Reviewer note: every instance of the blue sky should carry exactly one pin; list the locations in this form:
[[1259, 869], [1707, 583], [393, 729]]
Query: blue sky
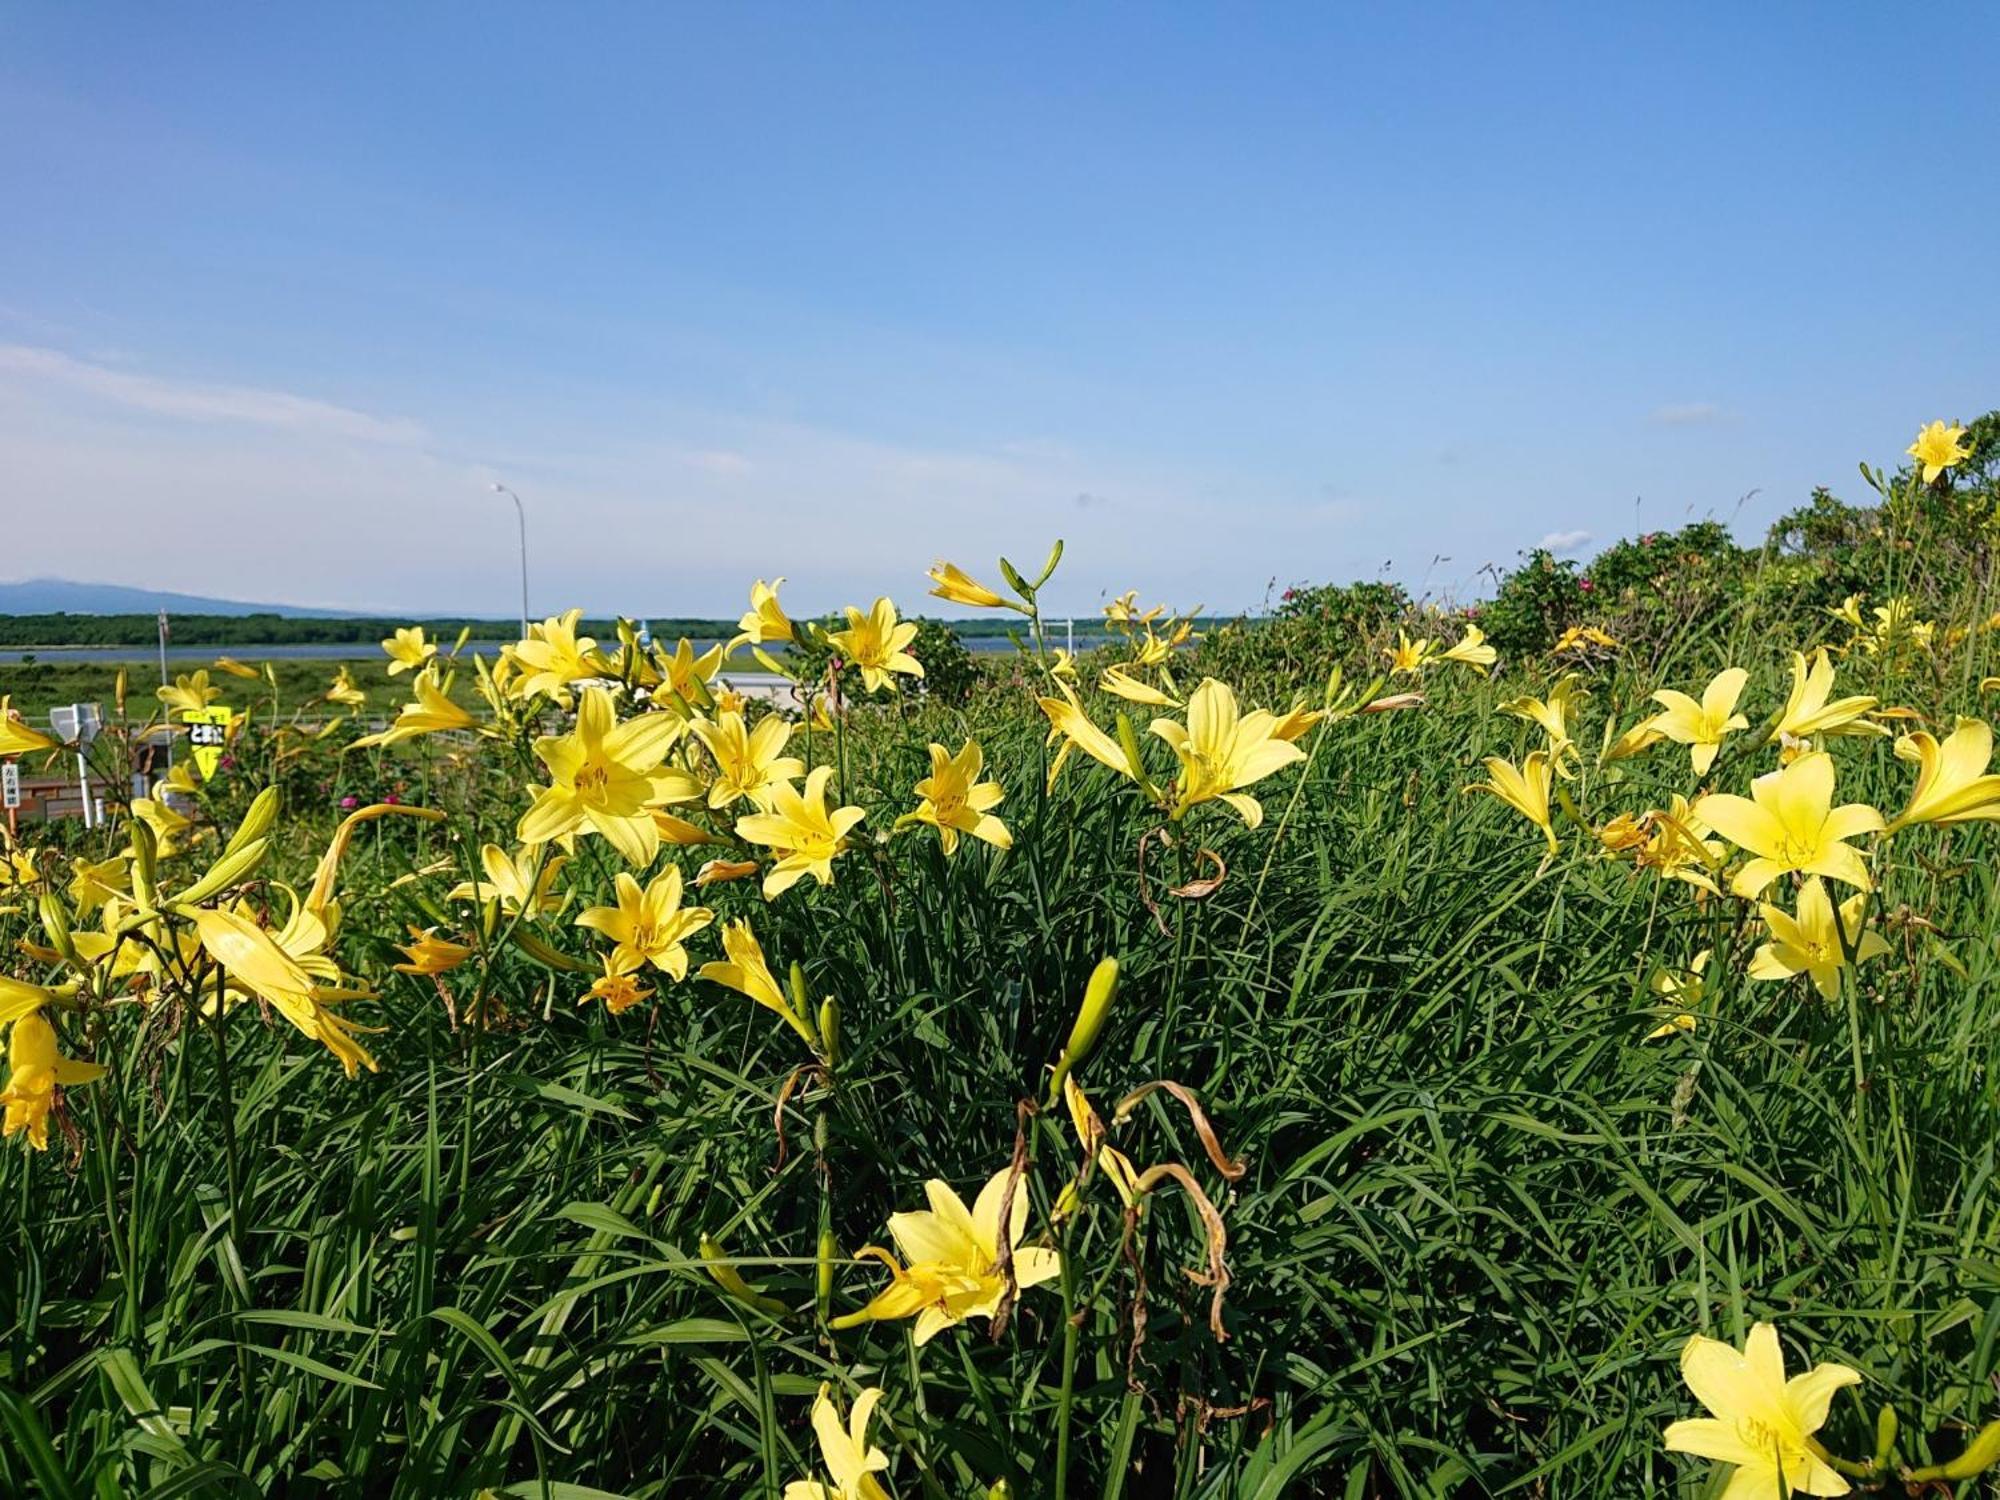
[[1221, 295]]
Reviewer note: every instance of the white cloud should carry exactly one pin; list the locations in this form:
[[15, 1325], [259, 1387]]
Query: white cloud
[[1686, 414], [1560, 542], [246, 405]]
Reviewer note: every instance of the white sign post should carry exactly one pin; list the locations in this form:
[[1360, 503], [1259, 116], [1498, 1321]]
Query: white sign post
[[10, 785], [78, 723]]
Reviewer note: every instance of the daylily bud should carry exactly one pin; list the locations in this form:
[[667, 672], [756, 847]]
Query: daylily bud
[[829, 1028], [55, 922], [1015, 581], [1049, 567], [145, 864], [829, 1251], [1979, 1456], [1090, 1017], [801, 1003], [263, 812], [717, 1263], [1885, 1435], [118, 692]]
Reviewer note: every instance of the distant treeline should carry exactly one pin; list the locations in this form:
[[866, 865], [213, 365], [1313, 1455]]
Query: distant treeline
[[64, 629]]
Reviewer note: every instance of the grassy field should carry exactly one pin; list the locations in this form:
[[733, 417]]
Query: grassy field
[[1467, 1212]]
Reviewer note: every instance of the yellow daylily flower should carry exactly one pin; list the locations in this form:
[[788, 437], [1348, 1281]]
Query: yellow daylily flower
[[1075, 729], [1123, 612], [20, 868], [951, 582], [1582, 640], [616, 987], [766, 620], [1938, 448], [430, 954], [1637, 740], [189, 692], [747, 972], [878, 644], [954, 800], [261, 967], [170, 829], [1703, 726], [845, 1452], [953, 1259], [1684, 990], [93, 883], [1555, 715], [1064, 665], [1807, 714], [179, 778], [1407, 656], [648, 924], [1789, 822], [523, 882], [432, 712], [236, 668], [407, 649], [1760, 1421], [805, 833], [749, 763], [685, 673], [1471, 649], [344, 691], [1810, 942], [1671, 841], [1293, 724], [1525, 789], [35, 1069], [1222, 751], [16, 738], [1120, 683], [605, 779], [551, 656], [1952, 784]]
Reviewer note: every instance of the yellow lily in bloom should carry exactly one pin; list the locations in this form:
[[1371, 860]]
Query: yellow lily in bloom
[[1222, 750], [16, 738], [686, 674], [1120, 683], [236, 668], [748, 973], [179, 778], [1810, 942], [1471, 650], [1554, 714], [805, 834], [1583, 639], [950, 582], [749, 763], [1123, 612], [343, 691], [1637, 740], [953, 1255], [1407, 656], [1761, 1422], [433, 712], [1952, 784], [189, 692], [877, 644], [605, 778], [35, 1069], [1671, 841], [1156, 650], [430, 954], [648, 925], [550, 657], [954, 800], [514, 881], [169, 827], [1807, 713], [408, 650], [616, 987], [93, 884], [1075, 729], [1064, 665], [1938, 448], [1684, 990], [261, 967], [845, 1452], [19, 868], [766, 620], [1703, 726], [1526, 790], [1789, 822]]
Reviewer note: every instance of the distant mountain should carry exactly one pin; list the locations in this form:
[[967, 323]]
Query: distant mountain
[[45, 596]]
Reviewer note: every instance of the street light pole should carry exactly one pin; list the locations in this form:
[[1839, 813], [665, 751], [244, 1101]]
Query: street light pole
[[521, 515]]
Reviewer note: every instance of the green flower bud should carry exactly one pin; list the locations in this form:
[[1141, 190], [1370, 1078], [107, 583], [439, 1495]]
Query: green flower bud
[[1090, 1017]]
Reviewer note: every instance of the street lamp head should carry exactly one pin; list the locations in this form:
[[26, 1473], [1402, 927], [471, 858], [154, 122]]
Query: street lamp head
[[498, 488]]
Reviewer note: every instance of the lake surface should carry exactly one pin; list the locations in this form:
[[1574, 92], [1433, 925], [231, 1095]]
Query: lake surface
[[366, 651]]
